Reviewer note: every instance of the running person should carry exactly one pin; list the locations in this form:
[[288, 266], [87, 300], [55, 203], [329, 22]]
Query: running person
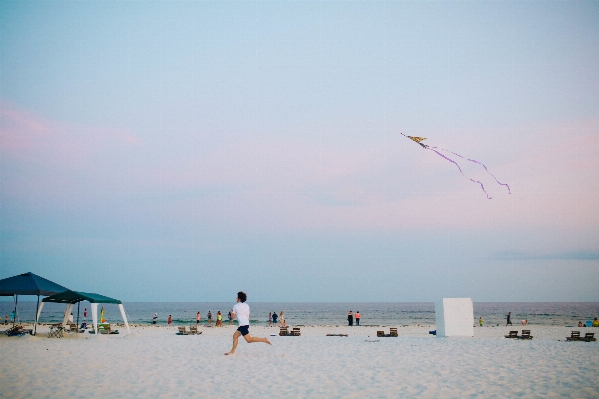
[[241, 312]]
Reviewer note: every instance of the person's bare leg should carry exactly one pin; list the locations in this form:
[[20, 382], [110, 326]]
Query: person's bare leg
[[251, 339], [235, 341]]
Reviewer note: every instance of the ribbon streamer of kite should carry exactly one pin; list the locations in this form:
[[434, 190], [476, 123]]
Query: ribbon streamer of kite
[[434, 149]]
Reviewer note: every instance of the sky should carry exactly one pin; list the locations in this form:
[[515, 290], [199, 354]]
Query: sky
[[183, 151]]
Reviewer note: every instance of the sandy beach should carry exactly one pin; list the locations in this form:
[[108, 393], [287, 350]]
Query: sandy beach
[[155, 362]]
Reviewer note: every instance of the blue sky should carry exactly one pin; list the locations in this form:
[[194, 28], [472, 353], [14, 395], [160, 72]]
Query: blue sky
[[182, 151]]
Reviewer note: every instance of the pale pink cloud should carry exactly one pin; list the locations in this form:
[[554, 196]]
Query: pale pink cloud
[[55, 159], [297, 184], [280, 183], [27, 134]]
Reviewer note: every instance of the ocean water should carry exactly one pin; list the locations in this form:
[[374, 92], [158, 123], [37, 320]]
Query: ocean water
[[321, 313]]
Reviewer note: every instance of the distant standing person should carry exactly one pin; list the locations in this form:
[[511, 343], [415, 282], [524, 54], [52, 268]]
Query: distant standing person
[[241, 311], [230, 316], [595, 322], [169, 321], [509, 319], [155, 318], [480, 321], [269, 319], [6, 320], [358, 317], [219, 319], [274, 317], [350, 318], [198, 318], [209, 317], [282, 319]]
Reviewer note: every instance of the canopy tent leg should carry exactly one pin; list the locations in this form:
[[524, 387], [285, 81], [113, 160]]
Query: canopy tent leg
[[37, 310], [14, 317], [78, 307], [67, 313], [122, 309], [95, 317]]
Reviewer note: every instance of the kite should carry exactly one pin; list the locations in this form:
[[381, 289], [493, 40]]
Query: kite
[[437, 149]]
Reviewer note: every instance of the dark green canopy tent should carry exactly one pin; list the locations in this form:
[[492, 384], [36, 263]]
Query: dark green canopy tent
[[74, 297], [28, 284], [71, 297]]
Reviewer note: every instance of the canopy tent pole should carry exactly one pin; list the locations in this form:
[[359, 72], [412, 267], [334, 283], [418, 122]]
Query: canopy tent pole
[[95, 317], [14, 317], [122, 309], [37, 309], [67, 313], [78, 307]]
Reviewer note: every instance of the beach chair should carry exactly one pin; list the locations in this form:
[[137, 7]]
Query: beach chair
[[588, 337], [295, 332], [283, 332], [12, 329], [193, 330], [574, 336], [512, 334], [393, 332], [380, 333], [73, 328], [17, 331], [56, 331], [336, 335], [182, 331], [525, 335]]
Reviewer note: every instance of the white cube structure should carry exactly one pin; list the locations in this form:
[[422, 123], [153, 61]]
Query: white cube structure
[[455, 317]]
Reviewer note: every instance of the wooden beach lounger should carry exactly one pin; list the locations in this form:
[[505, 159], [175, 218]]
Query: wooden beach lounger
[[512, 334], [574, 336], [525, 335], [588, 337], [336, 335], [284, 332], [193, 330], [106, 329], [182, 331], [392, 333]]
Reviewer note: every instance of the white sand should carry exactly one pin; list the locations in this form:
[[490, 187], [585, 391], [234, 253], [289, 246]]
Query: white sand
[[154, 362]]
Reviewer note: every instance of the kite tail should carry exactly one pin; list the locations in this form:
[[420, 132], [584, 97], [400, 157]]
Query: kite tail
[[480, 163], [460, 169]]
